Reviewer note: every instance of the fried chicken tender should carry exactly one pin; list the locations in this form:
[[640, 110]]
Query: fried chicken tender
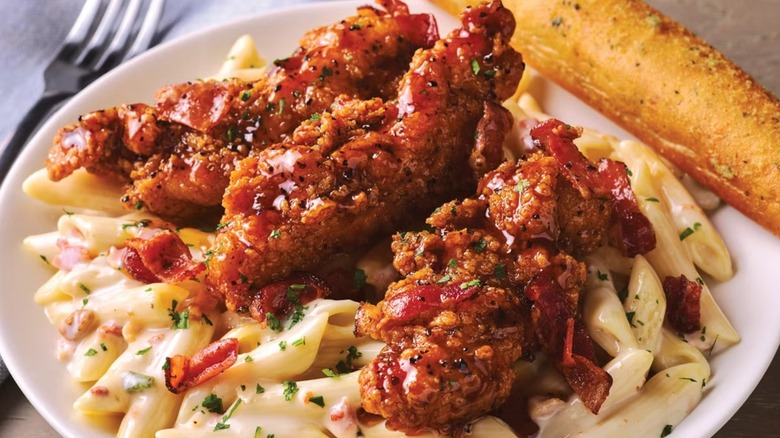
[[175, 157], [491, 282], [368, 166]]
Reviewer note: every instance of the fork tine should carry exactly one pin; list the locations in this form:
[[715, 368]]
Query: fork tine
[[149, 27], [78, 33], [100, 36], [119, 41]]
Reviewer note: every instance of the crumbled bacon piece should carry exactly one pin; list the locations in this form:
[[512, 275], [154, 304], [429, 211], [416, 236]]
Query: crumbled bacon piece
[[412, 303], [280, 298], [183, 372], [70, 255], [564, 339], [683, 303], [609, 179], [162, 257]]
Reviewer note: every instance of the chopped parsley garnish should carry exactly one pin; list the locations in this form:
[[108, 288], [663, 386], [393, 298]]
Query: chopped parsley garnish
[[297, 315], [91, 352], [318, 400], [667, 430], [314, 117], [139, 224], [300, 341], [67, 213], [133, 382], [226, 417], [180, 320], [139, 205], [221, 426], [359, 279], [248, 358], [273, 321], [521, 185], [282, 102], [231, 133], [630, 318], [623, 294], [330, 373], [475, 66], [84, 288], [275, 234], [282, 345], [245, 95], [444, 279], [213, 404], [325, 73], [143, 351], [471, 283], [602, 276], [290, 389], [452, 263], [490, 73], [43, 257], [499, 271], [557, 21], [221, 225], [688, 231], [652, 200], [103, 346], [480, 245], [259, 389]]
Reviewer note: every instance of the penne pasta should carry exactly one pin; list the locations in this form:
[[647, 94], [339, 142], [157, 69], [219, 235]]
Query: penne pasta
[[80, 190]]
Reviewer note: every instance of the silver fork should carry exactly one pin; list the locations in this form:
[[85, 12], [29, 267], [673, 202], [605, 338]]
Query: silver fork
[[105, 34]]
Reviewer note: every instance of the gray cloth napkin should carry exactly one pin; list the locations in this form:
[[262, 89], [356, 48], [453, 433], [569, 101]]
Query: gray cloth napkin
[[31, 33]]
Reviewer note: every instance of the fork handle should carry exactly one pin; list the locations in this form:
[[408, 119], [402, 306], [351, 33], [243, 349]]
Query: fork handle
[[27, 127]]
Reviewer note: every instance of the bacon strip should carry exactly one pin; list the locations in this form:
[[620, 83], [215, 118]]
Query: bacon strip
[[162, 257], [636, 234], [413, 303], [683, 303], [564, 339], [281, 297], [183, 372]]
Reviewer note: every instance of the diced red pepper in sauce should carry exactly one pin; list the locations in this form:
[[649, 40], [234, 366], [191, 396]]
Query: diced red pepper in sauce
[[183, 372], [683, 303]]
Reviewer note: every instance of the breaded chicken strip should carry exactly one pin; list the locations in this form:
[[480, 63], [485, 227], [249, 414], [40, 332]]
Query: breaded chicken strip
[[176, 156], [366, 167]]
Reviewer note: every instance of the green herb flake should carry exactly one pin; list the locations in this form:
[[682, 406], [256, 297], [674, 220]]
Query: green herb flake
[[444, 279], [43, 257], [246, 95], [84, 301], [290, 389], [299, 342], [330, 373], [283, 345], [143, 351], [602, 276], [623, 294], [221, 426], [248, 358], [359, 279], [521, 185], [652, 200], [490, 73], [297, 315], [273, 321], [721, 169], [282, 102], [480, 246], [275, 234], [499, 271], [222, 225], [231, 133], [472, 283], [630, 318], [85, 289], [180, 320], [315, 117], [653, 20], [325, 73], [686, 233], [134, 382], [318, 400], [452, 263], [667, 430], [557, 21], [213, 404], [91, 352], [475, 66], [259, 389]]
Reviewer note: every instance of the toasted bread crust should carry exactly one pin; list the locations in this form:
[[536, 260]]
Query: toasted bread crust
[[666, 86]]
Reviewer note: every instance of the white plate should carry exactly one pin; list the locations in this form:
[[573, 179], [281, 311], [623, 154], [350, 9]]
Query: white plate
[[27, 340]]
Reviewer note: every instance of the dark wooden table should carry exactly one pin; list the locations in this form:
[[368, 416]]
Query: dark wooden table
[[748, 32]]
